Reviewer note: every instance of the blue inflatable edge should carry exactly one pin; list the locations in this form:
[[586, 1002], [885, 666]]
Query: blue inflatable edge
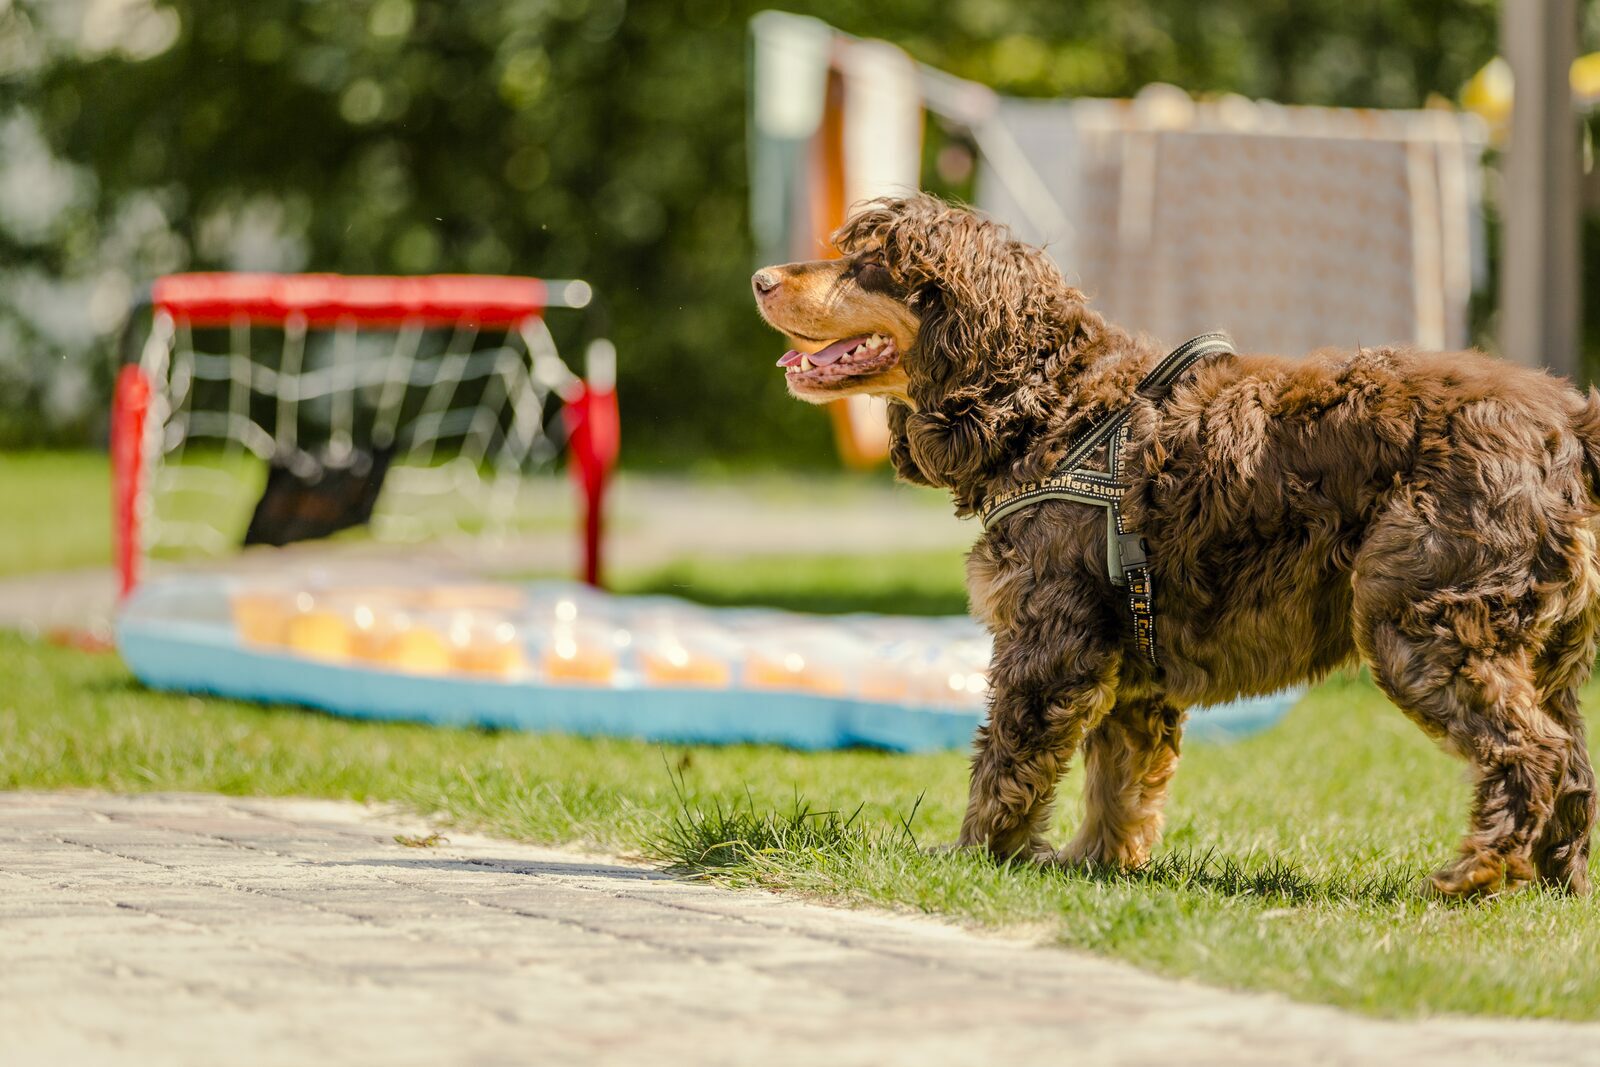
[[199, 657]]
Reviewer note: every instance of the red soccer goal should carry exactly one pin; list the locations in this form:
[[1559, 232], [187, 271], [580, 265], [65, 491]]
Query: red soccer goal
[[414, 406]]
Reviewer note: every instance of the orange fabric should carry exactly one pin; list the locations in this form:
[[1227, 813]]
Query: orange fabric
[[859, 430]]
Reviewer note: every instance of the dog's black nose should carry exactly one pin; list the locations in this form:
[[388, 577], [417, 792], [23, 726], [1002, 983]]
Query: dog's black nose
[[765, 281]]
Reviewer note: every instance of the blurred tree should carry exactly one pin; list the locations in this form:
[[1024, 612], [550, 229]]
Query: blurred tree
[[588, 138]]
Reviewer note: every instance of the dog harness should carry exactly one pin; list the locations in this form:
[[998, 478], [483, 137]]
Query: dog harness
[[1127, 560]]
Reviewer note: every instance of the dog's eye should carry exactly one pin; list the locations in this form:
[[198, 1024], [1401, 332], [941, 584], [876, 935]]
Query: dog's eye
[[871, 272]]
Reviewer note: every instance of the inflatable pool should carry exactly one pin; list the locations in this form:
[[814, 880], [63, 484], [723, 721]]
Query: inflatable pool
[[563, 657]]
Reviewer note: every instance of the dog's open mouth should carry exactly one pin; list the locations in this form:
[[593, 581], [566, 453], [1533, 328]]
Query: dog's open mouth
[[840, 360]]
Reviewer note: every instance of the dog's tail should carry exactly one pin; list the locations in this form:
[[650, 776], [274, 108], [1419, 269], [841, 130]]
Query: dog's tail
[[1586, 424]]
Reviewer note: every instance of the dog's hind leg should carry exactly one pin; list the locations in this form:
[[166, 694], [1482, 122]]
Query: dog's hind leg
[[1129, 760], [1045, 695], [1561, 854], [1448, 640]]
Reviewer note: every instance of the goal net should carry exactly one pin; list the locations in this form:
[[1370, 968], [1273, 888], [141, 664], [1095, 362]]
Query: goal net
[[269, 408]]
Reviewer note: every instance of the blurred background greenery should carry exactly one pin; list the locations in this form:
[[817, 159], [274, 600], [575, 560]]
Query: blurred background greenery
[[599, 139]]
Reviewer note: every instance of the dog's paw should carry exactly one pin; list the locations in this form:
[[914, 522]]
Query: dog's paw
[[1007, 845], [1566, 869], [1099, 852], [1574, 883], [1573, 880], [964, 848], [1479, 874]]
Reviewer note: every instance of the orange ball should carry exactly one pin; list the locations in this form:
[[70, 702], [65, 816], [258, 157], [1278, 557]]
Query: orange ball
[[565, 663], [685, 669], [262, 618]]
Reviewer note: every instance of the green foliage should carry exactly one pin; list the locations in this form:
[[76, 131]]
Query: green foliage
[[589, 138]]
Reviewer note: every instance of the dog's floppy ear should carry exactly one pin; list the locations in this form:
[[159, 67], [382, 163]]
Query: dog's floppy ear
[[955, 431], [905, 465], [941, 447], [954, 442]]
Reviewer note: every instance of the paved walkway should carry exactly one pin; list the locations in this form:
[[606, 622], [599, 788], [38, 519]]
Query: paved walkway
[[206, 930]]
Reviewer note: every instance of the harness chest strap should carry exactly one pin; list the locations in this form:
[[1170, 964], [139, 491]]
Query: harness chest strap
[[1127, 563]]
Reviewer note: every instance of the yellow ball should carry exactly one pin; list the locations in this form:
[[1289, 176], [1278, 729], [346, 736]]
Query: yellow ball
[[416, 651], [319, 635]]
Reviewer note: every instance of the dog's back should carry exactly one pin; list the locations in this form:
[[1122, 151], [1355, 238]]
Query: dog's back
[[1429, 510], [1273, 476]]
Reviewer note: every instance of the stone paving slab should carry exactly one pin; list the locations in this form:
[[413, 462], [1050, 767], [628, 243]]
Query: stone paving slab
[[186, 929]]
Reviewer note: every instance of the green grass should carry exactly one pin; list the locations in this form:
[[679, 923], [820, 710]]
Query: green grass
[[55, 511], [917, 583], [1289, 864], [56, 515]]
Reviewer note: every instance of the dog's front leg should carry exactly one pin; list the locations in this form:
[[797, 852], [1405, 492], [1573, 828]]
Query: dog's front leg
[[1046, 692], [1128, 762]]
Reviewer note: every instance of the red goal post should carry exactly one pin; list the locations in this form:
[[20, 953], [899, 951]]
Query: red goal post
[[489, 330]]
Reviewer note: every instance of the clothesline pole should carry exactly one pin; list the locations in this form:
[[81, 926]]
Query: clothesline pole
[[1539, 276]]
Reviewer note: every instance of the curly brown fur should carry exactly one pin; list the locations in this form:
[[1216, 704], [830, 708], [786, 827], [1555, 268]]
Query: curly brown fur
[[1427, 512]]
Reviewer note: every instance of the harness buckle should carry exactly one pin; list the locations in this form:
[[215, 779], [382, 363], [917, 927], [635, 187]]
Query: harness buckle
[[1132, 548]]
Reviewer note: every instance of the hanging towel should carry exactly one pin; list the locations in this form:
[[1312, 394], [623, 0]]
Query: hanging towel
[[1295, 228], [789, 57], [881, 136]]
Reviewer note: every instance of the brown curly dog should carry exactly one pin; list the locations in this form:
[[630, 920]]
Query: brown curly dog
[[1429, 512]]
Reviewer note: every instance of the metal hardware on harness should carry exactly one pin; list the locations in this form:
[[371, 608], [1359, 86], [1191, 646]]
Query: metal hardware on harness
[[1127, 553], [1131, 547]]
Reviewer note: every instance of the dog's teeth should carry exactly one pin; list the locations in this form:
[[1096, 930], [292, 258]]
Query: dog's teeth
[[805, 363]]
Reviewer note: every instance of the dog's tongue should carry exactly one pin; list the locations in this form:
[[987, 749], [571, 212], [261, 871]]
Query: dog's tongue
[[832, 354]]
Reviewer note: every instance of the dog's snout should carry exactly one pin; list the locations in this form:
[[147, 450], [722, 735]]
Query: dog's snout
[[765, 280]]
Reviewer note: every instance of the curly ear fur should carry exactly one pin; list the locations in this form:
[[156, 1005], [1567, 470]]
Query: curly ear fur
[[905, 465], [1000, 329], [958, 440]]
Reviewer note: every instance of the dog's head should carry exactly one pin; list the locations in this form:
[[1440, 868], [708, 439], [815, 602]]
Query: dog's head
[[934, 307]]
